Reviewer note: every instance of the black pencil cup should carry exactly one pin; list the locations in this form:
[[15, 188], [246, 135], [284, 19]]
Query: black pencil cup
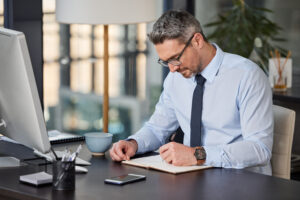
[[63, 175]]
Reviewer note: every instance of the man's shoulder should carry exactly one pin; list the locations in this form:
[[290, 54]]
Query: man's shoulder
[[239, 63]]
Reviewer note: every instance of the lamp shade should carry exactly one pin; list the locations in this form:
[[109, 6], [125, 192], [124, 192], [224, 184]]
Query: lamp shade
[[106, 11]]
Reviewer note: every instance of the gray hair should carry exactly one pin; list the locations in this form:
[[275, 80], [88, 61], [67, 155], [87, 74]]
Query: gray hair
[[175, 24]]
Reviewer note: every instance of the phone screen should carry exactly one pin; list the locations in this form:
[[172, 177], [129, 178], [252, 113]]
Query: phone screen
[[123, 179]]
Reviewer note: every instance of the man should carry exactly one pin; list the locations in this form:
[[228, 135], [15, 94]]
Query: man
[[221, 101]]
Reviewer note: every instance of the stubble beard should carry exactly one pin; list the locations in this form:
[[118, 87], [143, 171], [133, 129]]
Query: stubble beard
[[191, 73]]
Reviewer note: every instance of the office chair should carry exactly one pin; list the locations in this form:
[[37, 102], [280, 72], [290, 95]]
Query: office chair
[[284, 122]]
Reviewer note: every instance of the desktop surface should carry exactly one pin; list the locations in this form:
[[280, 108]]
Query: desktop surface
[[215, 183]]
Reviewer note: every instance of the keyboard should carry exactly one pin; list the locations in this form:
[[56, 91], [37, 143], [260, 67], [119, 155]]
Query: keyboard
[[16, 150]]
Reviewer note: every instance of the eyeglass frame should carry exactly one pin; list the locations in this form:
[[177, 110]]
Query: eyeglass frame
[[166, 63]]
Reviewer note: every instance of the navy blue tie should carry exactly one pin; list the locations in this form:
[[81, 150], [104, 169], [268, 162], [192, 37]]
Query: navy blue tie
[[196, 117]]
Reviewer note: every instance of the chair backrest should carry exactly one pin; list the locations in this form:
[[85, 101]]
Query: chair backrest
[[284, 122]]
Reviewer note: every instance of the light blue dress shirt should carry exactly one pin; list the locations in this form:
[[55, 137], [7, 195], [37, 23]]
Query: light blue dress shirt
[[237, 117]]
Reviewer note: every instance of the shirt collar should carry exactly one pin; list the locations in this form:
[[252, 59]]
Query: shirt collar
[[211, 70]]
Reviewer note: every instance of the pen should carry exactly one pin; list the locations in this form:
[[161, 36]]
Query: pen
[[75, 154], [56, 158]]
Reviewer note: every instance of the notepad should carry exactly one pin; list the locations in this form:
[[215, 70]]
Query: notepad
[[39, 178], [157, 163]]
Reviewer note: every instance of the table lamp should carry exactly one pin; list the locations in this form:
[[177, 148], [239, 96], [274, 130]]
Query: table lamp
[[106, 12]]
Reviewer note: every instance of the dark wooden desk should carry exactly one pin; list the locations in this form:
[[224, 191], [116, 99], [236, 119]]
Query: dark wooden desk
[[207, 184], [290, 95]]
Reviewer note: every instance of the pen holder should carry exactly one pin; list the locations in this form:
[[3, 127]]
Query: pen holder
[[63, 175]]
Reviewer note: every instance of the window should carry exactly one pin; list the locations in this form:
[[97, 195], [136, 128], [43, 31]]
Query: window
[[73, 76]]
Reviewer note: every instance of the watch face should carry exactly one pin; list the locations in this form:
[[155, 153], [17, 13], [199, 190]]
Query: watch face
[[200, 154]]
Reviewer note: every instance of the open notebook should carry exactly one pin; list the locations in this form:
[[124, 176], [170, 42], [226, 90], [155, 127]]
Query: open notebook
[[156, 162]]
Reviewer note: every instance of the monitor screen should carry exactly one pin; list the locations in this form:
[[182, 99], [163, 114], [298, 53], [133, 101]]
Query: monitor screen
[[20, 107]]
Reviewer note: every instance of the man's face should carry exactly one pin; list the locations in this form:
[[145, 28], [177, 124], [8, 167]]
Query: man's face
[[190, 60]]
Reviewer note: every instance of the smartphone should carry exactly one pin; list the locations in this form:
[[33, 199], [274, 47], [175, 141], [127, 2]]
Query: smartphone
[[128, 178]]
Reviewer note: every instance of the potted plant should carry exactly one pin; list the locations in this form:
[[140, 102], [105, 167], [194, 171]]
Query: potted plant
[[246, 31]]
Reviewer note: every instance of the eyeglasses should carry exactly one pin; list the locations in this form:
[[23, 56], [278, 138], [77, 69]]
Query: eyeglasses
[[175, 61]]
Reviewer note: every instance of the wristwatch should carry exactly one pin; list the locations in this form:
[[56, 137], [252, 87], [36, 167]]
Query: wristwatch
[[200, 155]]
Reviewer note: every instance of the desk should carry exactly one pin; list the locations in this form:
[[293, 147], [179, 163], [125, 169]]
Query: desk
[[213, 184], [290, 95]]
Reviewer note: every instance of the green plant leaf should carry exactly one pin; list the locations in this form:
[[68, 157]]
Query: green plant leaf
[[236, 30]]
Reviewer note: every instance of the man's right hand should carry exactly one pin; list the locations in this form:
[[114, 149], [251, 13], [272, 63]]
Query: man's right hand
[[123, 150]]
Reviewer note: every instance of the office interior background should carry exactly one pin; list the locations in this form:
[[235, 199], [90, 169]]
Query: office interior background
[[73, 66]]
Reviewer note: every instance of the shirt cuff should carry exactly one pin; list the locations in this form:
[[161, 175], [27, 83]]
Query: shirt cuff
[[213, 156], [141, 145]]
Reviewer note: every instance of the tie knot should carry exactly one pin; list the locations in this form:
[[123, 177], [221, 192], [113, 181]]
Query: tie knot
[[200, 79]]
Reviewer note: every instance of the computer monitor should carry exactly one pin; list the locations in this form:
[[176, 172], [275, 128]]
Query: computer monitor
[[20, 107]]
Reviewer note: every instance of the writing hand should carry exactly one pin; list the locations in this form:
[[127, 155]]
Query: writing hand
[[178, 154]]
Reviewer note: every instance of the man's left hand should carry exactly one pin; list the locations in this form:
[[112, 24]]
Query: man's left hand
[[178, 154]]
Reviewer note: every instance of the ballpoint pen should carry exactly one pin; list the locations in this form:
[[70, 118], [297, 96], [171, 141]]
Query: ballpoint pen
[[56, 157], [75, 154]]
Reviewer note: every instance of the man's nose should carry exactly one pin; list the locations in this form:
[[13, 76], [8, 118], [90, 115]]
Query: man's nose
[[173, 68]]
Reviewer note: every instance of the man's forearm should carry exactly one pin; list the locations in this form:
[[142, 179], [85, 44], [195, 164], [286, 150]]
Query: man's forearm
[[237, 155]]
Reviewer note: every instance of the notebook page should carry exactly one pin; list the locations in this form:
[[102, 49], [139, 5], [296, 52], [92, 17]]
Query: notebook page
[[156, 162]]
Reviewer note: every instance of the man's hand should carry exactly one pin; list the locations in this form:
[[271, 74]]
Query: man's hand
[[123, 150], [178, 154]]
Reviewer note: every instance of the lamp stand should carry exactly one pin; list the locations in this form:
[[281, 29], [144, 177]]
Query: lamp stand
[[106, 82]]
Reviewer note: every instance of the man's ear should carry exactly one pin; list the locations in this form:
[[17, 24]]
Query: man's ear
[[198, 40]]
